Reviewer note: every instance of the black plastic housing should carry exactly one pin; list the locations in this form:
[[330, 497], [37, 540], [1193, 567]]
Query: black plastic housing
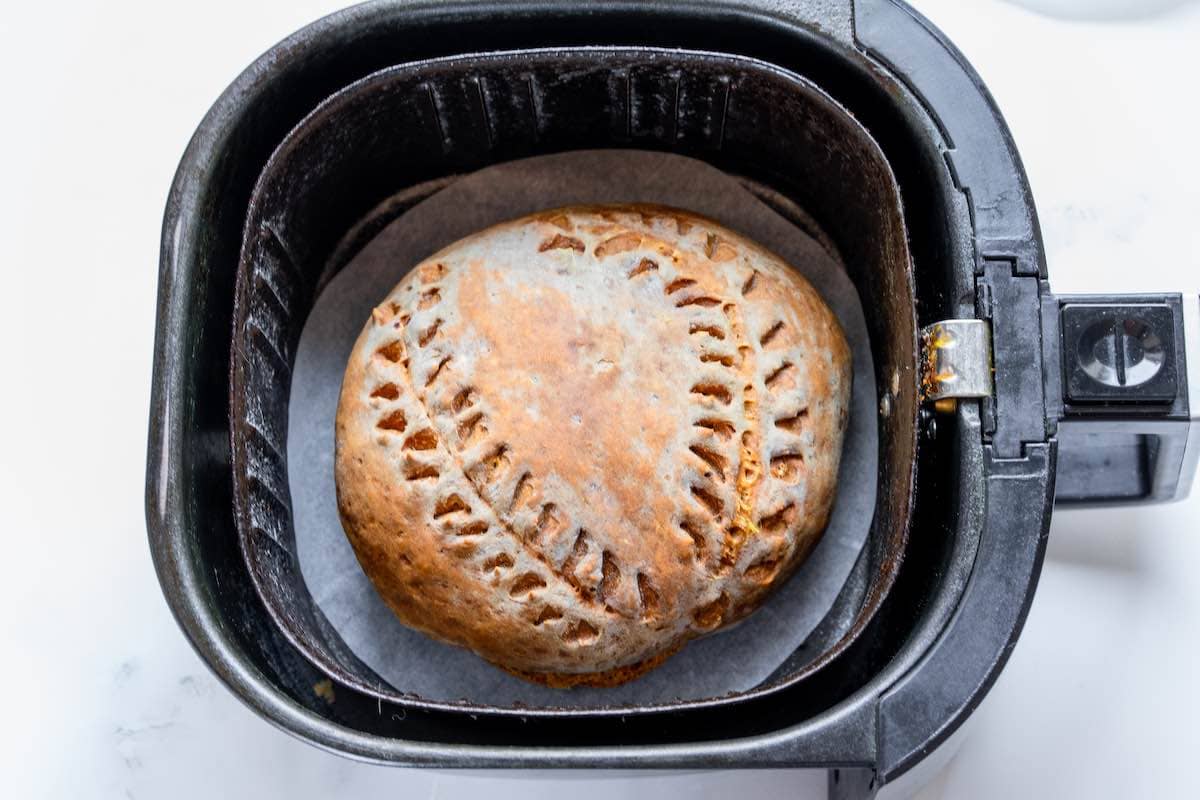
[[1116, 375], [962, 582]]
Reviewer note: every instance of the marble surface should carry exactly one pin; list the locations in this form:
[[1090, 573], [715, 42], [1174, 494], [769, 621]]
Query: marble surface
[[105, 699]]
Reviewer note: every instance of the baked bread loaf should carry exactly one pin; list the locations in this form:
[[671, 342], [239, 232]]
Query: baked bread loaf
[[574, 441]]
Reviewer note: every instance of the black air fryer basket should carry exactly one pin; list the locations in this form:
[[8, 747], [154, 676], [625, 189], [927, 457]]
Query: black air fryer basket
[[993, 391]]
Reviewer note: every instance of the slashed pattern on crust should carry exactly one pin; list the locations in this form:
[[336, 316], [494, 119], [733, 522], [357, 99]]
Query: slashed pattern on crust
[[574, 441]]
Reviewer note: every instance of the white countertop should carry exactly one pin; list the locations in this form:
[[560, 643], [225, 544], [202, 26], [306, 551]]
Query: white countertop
[[104, 697]]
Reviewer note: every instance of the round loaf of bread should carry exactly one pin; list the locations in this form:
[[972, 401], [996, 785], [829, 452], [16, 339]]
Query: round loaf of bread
[[576, 440]]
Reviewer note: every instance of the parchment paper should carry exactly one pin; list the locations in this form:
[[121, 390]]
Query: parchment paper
[[732, 660]]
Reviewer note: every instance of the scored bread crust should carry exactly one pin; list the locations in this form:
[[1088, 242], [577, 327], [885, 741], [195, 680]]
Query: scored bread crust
[[573, 441]]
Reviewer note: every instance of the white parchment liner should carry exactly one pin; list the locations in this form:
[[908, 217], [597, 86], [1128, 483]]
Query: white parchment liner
[[732, 660]]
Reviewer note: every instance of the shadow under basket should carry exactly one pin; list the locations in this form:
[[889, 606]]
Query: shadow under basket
[[824, 111]]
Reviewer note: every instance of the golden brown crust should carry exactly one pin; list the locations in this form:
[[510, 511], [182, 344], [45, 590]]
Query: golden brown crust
[[574, 441], [596, 680]]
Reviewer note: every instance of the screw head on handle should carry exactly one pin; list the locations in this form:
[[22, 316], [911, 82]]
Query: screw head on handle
[[1118, 353]]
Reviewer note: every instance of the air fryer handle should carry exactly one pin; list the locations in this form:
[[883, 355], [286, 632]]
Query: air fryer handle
[[1127, 398]]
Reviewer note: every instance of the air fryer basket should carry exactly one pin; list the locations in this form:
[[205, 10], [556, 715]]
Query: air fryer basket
[[418, 123], [840, 108]]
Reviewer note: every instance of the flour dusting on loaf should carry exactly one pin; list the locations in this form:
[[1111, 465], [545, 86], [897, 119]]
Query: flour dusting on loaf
[[576, 440]]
